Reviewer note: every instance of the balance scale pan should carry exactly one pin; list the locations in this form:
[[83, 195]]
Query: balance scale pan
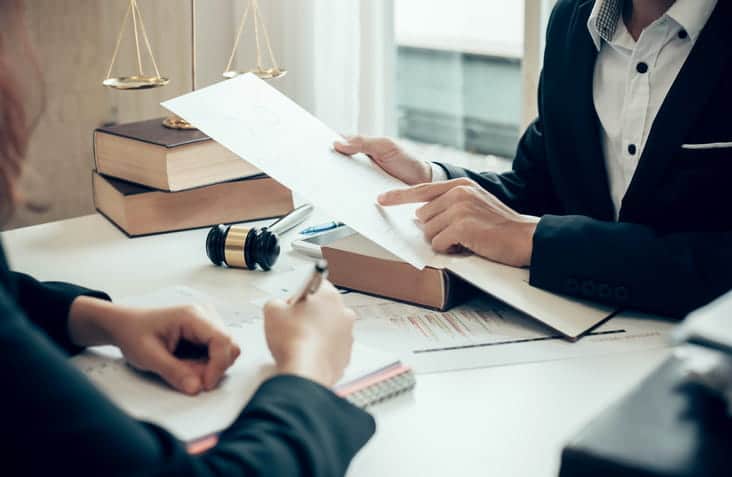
[[135, 82], [271, 73]]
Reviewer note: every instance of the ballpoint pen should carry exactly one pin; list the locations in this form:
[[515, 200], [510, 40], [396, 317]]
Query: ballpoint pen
[[320, 273], [321, 228], [293, 219]]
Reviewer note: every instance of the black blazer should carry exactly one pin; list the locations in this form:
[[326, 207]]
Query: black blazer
[[671, 250], [54, 422]]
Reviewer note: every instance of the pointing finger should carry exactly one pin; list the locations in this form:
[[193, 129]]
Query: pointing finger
[[420, 193]]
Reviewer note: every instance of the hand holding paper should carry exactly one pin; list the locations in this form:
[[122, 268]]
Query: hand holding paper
[[258, 123], [388, 156]]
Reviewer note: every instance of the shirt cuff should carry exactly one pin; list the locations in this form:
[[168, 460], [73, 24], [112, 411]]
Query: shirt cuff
[[438, 173]]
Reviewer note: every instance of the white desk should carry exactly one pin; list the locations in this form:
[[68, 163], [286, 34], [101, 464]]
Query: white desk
[[499, 421]]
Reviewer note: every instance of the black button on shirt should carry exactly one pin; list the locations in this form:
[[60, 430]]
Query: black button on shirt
[[632, 149], [641, 67], [683, 34]]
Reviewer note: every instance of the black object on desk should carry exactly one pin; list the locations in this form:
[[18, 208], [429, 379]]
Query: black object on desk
[[242, 247], [666, 427]]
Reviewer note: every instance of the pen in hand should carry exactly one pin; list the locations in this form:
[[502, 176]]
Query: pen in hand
[[312, 284]]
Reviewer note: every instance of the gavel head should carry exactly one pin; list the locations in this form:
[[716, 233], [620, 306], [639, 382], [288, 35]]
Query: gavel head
[[241, 247]]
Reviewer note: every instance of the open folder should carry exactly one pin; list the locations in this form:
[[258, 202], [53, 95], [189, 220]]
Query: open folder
[[258, 123]]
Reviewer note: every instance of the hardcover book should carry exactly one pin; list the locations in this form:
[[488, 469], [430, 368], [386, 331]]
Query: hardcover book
[[148, 153], [140, 210]]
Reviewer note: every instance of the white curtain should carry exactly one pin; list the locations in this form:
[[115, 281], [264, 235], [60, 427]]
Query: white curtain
[[536, 16], [339, 53]]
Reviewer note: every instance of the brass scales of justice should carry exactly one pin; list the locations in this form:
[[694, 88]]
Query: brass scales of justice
[[140, 80]]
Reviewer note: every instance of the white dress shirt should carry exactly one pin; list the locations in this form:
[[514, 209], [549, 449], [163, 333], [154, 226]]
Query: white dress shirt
[[632, 79]]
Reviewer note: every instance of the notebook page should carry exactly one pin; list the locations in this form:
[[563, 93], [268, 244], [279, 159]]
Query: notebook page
[[147, 397]]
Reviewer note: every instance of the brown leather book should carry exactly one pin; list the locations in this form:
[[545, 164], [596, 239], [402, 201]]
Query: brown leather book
[[146, 152], [359, 264], [140, 210]]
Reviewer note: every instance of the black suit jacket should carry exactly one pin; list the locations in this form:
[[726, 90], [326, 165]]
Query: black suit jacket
[[54, 422], [671, 250]]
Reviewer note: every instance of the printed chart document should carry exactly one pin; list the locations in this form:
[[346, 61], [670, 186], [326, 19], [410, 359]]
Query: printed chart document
[[147, 397], [486, 332], [258, 123]]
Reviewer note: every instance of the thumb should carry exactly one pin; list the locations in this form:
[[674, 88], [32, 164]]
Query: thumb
[[353, 145], [177, 373], [273, 309]]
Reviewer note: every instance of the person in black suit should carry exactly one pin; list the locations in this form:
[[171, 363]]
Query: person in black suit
[[55, 422], [619, 189]]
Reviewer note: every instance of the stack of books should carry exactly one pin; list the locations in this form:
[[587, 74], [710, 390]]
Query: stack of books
[[150, 179]]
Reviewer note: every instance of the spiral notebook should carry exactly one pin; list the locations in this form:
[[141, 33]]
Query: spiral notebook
[[371, 377]]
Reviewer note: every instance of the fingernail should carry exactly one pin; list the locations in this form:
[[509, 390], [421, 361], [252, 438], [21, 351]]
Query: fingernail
[[191, 384], [383, 196]]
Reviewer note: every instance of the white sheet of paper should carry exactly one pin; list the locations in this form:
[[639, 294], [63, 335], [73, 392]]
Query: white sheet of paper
[[258, 123], [571, 317], [148, 398], [486, 332]]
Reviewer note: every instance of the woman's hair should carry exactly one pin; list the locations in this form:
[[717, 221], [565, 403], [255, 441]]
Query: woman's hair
[[21, 100]]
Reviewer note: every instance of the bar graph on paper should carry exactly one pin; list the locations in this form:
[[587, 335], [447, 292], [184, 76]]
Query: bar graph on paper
[[482, 322], [486, 332]]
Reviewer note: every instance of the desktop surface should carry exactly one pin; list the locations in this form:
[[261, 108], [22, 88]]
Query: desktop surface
[[503, 420]]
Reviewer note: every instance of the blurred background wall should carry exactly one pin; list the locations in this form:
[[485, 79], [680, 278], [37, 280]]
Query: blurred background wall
[[75, 40]]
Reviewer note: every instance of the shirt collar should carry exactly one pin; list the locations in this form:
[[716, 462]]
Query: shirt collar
[[603, 20], [691, 15]]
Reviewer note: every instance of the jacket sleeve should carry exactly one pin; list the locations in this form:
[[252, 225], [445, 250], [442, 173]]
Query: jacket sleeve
[[47, 305], [526, 188], [631, 265], [58, 421]]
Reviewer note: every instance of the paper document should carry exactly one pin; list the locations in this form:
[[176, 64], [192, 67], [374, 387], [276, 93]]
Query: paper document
[[258, 123], [486, 332], [148, 398]]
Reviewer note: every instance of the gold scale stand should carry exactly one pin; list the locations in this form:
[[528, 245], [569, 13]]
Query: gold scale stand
[[140, 80]]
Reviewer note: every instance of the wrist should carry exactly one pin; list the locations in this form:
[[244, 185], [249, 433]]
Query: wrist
[[529, 229], [308, 368], [94, 322], [428, 174]]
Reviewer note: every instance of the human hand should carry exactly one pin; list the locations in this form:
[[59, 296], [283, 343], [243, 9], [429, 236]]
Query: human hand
[[390, 157], [311, 338], [148, 339], [459, 214]]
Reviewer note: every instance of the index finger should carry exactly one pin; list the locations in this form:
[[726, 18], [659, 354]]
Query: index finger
[[421, 192]]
